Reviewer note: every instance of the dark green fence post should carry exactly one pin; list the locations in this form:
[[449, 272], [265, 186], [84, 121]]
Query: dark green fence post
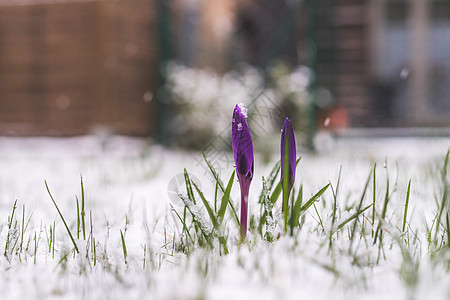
[[312, 64], [164, 39]]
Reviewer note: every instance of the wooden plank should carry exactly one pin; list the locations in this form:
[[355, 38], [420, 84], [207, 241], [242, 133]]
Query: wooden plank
[[54, 62]]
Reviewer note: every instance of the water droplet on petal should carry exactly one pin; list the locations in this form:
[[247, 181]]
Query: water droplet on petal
[[239, 126]]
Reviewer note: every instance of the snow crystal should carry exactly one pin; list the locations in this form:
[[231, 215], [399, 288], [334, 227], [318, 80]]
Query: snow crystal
[[243, 109]]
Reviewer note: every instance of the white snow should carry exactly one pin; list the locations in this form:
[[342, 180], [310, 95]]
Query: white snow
[[126, 182]]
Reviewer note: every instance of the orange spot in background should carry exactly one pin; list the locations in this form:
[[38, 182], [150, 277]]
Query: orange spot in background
[[336, 118]]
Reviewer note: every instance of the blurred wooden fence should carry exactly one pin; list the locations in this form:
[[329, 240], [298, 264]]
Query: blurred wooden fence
[[343, 56], [68, 67]]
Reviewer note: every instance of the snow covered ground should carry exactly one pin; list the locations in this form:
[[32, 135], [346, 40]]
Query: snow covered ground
[[129, 184]]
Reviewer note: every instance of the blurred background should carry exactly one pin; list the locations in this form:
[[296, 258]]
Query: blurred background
[[174, 69]]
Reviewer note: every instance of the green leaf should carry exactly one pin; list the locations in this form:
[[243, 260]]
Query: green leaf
[[447, 217], [78, 218], [297, 207], [198, 219], [356, 214], [271, 180], [383, 212], [359, 209], [214, 221], [406, 206], [215, 196], [83, 212], [207, 206], [124, 246], [189, 191], [182, 222], [311, 201], [64, 221], [222, 188], [276, 193], [225, 198]]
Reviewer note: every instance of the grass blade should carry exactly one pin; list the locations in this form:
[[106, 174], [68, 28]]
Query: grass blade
[[335, 193], [444, 200], [359, 209], [311, 201], [198, 219], [271, 180], [207, 206], [374, 195], [406, 206], [214, 221], [189, 191], [78, 217], [222, 188], [444, 167], [225, 199], [355, 215], [182, 222], [64, 221], [440, 211], [124, 247], [385, 204], [23, 227], [318, 215], [278, 188], [448, 228], [83, 212], [276, 193], [9, 228], [297, 208], [216, 189]]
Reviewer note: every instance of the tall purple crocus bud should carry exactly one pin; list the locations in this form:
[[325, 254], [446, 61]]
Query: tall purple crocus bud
[[288, 161], [243, 158]]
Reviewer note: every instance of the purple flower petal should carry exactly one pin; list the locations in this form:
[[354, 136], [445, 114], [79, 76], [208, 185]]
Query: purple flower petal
[[243, 158], [288, 139], [242, 143]]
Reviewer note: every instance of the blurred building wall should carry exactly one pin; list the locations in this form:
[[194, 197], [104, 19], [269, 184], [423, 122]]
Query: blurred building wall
[[270, 31], [203, 35], [69, 67], [343, 56], [386, 62]]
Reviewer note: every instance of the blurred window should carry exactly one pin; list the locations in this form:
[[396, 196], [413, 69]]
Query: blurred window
[[413, 61], [396, 11], [395, 54], [439, 55]]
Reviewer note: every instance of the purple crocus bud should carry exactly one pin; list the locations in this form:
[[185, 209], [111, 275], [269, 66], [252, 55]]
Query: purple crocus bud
[[243, 158], [288, 148]]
